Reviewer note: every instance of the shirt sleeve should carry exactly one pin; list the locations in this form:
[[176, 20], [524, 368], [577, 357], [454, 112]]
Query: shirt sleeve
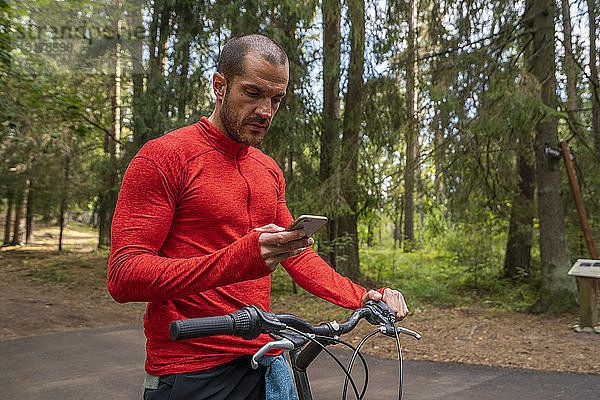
[[312, 273], [141, 222]]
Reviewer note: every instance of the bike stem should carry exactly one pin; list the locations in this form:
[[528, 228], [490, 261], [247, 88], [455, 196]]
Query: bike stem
[[301, 359]]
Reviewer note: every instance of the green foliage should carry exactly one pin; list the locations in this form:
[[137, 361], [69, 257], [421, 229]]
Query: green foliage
[[478, 106], [462, 266], [436, 221]]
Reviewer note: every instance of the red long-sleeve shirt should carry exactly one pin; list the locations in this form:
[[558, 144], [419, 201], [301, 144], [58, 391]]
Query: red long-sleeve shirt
[[183, 241]]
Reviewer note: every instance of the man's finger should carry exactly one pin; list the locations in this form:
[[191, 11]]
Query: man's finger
[[280, 238], [395, 300], [270, 228], [286, 249], [371, 295]]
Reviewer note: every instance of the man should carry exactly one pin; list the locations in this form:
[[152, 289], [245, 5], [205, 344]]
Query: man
[[199, 226]]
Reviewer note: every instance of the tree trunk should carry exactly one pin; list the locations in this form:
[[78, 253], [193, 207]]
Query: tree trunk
[[411, 130], [517, 259], [331, 113], [112, 149], [154, 114], [29, 214], [558, 289], [8, 220], [594, 76], [570, 72], [437, 154], [17, 238], [64, 200], [166, 25], [186, 29], [140, 128], [331, 86], [440, 116], [347, 258], [137, 110], [108, 197], [116, 97], [164, 32]]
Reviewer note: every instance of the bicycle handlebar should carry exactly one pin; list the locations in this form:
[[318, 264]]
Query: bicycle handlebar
[[209, 326], [251, 321], [247, 323]]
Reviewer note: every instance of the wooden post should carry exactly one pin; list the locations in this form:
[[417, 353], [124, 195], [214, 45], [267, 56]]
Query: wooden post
[[588, 287]]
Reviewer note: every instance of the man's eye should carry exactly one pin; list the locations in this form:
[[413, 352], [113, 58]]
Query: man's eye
[[252, 94]]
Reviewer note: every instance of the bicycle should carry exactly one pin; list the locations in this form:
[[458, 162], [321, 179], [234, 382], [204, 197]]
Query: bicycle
[[303, 340]]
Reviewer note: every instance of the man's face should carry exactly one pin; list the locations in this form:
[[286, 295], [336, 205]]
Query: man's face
[[252, 99]]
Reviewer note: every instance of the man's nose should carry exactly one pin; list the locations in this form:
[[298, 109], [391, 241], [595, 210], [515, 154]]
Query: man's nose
[[264, 109]]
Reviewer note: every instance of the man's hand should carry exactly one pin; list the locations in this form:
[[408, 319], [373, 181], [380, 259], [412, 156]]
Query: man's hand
[[392, 298], [277, 244]]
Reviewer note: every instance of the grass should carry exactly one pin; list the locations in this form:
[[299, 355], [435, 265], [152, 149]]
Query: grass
[[73, 270], [78, 266], [423, 277], [444, 278], [452, 273]]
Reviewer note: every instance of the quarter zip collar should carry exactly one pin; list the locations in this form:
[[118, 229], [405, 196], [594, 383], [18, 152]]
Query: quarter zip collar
[[221, 141]]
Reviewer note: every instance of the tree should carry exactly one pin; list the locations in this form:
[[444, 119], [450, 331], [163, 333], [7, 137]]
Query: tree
[[331, 113], [517, 259], [109, 191], [411, 129], [569, 69], [347, 253], [558, 288], [593, 55]]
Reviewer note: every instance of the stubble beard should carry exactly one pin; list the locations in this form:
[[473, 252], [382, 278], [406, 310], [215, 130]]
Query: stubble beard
[[233, 126]]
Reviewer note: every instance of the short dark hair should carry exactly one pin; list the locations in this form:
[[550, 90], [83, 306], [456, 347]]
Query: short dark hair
[[231, 60]]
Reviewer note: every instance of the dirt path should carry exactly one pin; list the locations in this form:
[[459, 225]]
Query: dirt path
[[42, 291], [35, 310]]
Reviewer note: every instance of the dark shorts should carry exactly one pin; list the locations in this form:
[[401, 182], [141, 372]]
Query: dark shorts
[[235, 380]]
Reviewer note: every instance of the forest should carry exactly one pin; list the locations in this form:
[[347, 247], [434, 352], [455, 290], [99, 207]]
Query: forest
[[425, 129]]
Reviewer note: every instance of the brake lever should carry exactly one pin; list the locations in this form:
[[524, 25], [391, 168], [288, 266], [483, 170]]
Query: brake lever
[[381, 313], [389, 331], [297, 339], [284, 344]]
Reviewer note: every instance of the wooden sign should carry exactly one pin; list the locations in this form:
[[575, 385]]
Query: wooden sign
[[586, 269]]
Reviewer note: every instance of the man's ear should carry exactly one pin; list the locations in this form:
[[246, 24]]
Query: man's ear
[[219, 86]]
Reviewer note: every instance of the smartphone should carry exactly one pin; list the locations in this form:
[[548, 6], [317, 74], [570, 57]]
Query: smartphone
[[310, 224]]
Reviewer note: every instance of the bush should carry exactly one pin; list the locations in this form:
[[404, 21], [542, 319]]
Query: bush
[[462, 266]]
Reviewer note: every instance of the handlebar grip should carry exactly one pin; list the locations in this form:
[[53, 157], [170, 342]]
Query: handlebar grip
[[201, 327]]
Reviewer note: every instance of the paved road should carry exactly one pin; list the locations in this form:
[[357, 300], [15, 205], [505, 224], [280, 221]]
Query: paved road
[[107, 364]]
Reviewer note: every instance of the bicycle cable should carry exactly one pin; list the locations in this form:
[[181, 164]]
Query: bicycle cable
[[351, 364], [330, 354], [362, 359], [399, 362]]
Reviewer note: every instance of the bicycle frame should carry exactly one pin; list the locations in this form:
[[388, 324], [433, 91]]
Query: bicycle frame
[[300, 360], [302, 384]]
